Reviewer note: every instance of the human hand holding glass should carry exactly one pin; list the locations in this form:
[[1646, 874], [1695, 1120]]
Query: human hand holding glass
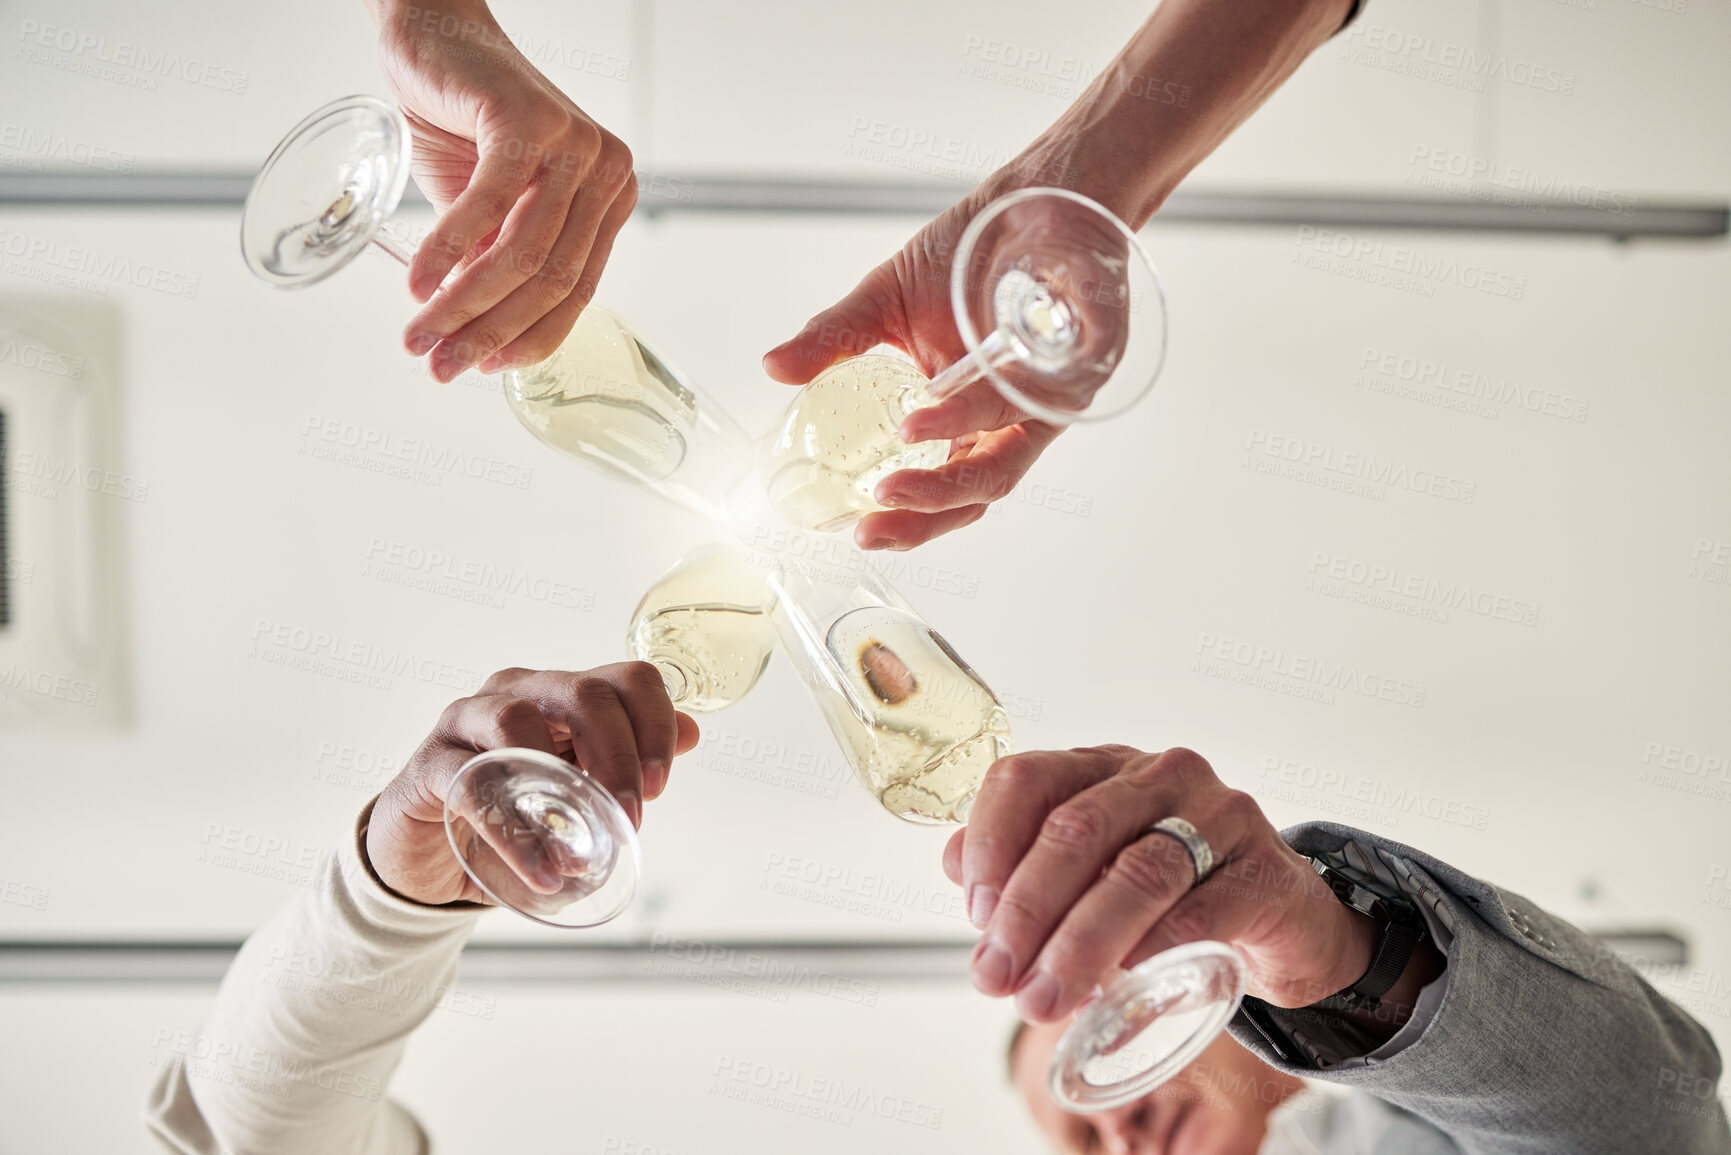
[[603, 397], [1034, 310], [1062, 870], [528, 793], [531, 191]]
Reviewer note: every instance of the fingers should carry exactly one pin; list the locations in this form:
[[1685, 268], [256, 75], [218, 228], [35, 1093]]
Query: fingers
[[532, 283], [488, 722], [654, 723], [540, 339], [1151, 882], [611, 720], [1212, 910], [560, 211], [904, 529], [483, 722], [847, 329], [987, 472], [1074, 843], [953, 857], [976, 408], [1012, 804], [494, 188], [490, 301]]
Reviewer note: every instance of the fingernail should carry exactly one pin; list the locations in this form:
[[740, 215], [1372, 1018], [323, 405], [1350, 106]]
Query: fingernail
[[445, 365], [655, 770], [418, 346], [633, 806], [886, 495], [547, 879], [492, 364], [982, 900], [423, 284], [1036, 999], [873, 542], [991, 967]]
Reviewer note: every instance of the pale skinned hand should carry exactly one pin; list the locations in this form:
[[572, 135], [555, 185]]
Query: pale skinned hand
[[906, 302], [616, 722], [531, 191], [1058, 871]]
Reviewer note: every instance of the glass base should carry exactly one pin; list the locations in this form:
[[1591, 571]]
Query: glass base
[[1149, 1024], [325, 192], [541, 837], [1058, 305]]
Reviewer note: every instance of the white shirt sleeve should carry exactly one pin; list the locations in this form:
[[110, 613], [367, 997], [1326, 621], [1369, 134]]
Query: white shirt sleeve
[[311, 1021]]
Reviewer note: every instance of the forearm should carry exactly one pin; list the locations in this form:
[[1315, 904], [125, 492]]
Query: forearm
[[311, 1022], [441, 30], [1544, 1040], [421, 16], [1195, 71]]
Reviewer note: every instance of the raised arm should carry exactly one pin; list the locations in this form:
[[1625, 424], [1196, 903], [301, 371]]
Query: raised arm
[[1515, 1033], [1194, 72], [1545, 1038], [313, 1016]]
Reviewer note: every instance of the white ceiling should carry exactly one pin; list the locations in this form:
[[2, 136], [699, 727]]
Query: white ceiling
[[1088, 625]]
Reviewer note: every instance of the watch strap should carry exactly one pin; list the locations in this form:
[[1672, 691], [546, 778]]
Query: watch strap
[[1400, 930]]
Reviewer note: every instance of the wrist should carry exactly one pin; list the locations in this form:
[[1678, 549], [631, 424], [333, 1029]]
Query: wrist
[[1354, 940], [412, 21], [1093, 150]]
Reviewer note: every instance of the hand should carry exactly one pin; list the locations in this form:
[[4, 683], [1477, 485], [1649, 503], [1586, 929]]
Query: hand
[[906, 302], [531, 191], [1058, 871], [616, 722]]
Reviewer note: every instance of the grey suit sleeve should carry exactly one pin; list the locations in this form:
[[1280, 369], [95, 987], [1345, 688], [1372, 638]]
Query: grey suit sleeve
[[1545, 1041]]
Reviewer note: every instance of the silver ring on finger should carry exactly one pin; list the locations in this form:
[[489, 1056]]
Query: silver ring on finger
[[1201, 854]]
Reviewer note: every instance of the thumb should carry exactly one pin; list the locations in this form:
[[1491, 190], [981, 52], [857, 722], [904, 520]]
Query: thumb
[[846, 329]]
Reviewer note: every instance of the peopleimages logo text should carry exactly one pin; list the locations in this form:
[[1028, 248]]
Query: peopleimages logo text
[[125, 54], [1405, 261], [1365, 467], [1394, 366], [1304, 669]]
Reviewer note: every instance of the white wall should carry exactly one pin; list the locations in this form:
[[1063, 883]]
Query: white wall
[[1092, 634]]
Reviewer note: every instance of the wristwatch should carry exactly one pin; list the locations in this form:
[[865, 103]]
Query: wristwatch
[[1319, 1036], [1400, 930]]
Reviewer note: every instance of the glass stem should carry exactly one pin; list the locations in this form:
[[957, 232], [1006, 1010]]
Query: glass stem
[[994, 352], [388, 240]]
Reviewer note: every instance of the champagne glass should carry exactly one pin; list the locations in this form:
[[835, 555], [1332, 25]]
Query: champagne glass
[[918, 725], [838, 439], [705, 625], [604, 397], [1061, 312], [540, 836], [1148, 1024]]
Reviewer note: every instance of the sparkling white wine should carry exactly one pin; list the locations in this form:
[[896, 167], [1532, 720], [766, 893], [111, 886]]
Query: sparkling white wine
[[838, 440], [705, 625], [919, 726], [607, 398]]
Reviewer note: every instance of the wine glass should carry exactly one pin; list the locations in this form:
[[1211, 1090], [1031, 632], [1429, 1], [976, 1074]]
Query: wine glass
[[705, 626], [918, 725], [838, 438], [1062, 313], [604, 397], [540, 836], [1059, 306], [1148, 1024]]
